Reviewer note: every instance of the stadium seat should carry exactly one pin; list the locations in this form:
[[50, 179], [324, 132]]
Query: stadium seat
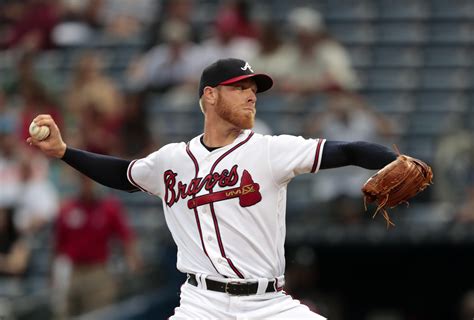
[[350, 9], [392, 78], [392, 101], [451, 32], [401, 32], [450, 56], [361, 56], [419, 146], [442, 101], [428, 123], [403, 9], [397, 56], [455, 9], [444, 78], [353, 32]]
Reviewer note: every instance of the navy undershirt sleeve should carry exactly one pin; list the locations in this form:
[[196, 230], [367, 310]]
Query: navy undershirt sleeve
[[112, 172], [359, 153], [106, 170]]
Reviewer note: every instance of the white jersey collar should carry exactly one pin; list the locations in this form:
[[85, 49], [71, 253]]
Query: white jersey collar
[[197, 147]]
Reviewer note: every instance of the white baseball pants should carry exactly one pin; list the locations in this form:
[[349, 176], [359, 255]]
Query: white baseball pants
[[198, 303]]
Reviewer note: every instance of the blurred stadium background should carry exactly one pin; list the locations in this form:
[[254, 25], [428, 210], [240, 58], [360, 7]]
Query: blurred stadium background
[[120, 78]]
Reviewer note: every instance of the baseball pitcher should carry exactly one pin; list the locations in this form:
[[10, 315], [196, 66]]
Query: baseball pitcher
[[224, 195]]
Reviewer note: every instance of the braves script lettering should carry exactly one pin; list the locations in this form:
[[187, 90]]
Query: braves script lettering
[[176, 190]]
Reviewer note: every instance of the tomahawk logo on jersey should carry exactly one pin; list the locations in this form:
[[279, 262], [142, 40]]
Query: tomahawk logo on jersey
[[247, 192]]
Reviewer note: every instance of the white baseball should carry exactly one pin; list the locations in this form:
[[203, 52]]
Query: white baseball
[[38, 132]]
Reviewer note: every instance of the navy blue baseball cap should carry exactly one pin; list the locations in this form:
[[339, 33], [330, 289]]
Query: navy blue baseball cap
[[227, 71]]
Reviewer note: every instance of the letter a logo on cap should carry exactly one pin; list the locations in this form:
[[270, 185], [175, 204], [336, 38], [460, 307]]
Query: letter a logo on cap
[[247, 66]]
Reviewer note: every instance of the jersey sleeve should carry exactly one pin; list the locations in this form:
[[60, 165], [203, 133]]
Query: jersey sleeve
[[146, 173], [290, 156]]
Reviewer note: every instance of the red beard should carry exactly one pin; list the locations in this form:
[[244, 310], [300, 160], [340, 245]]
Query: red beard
[[235, 115]]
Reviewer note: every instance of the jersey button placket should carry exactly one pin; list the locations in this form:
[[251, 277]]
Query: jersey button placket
[[205, 210], [208, 235]]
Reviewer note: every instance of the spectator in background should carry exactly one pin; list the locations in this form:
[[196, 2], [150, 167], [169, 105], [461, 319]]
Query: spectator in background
[[36, 100], [183, 11], [120, 19], [10, 11], [14, 250], [9, 165], [135, 136], [273, 54], [237, 13], [8, 115], [98, 132], [14, 261], [85, 226], [90, 85], [86, 11], [168, 64], [38, 203], [24, 178], [226, 40], [24, 74], [465, 212], [454, 161], [96, 103], [33, 25], [346, 118], [125, 19], [78, 22], [171, 68], [319, 63]]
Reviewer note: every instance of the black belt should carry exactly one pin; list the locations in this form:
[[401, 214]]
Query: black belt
[[233, 288]]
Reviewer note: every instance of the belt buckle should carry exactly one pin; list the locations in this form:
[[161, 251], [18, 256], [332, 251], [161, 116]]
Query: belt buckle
[[226, 288]]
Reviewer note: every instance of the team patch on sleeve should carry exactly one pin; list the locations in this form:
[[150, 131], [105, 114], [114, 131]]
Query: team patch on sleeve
[[317, 155]]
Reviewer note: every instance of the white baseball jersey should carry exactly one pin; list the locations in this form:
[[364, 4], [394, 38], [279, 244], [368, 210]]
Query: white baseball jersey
[[226, 208]]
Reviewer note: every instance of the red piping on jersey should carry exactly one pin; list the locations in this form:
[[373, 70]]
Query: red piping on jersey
[[214, 217], [130, 178], [221, 246], [316, 156], [198, 223]]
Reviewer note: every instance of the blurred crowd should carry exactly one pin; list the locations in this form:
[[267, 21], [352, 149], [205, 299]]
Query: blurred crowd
[[108, 113]]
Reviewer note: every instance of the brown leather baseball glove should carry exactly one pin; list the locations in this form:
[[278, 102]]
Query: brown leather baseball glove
[[395, 183]]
